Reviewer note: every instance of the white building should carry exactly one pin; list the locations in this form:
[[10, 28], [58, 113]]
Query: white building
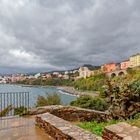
[[135, 60], [48, 75], [66, 77], [66, 72], [56, 73], [84, 72], [37, 75], [2, 81]]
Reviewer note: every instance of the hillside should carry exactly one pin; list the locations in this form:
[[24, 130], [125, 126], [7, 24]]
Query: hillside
[[98, 82]]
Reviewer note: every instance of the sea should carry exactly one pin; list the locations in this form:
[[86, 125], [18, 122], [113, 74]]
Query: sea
[[35, 91]]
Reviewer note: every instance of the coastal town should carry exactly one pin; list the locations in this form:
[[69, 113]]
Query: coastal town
[[110, 69], [69, 70]]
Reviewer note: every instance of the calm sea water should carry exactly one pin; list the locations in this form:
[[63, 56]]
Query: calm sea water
[[34, 92]]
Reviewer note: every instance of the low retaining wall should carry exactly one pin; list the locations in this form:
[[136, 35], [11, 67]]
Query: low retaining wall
[[60, 129], [121, 131], [55, 124], [72, 113]]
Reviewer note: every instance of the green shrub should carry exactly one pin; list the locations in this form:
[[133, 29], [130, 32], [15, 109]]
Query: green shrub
[[92, 83], [5, 111], [20, 111], [131, 71], [53, 99], [137, 116], [124, 99], [55, 81], [89, 102]]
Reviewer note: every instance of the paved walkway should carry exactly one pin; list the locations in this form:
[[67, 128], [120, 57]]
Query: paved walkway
[[21, 129]]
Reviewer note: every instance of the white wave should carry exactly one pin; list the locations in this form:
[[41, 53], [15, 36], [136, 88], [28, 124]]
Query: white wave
[[63, 92]]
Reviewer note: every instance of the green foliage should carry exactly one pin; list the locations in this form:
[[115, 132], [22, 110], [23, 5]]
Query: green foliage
[[137, 116], [37, 81], [131, 71], [92, 83], [4, 112], [53, 99], [102, 92], [95, 127], [20, 111], [124, 99], [89, 102], [48, 81]]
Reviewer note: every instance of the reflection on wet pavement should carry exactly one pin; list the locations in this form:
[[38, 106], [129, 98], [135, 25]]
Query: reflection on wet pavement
[[19, 128]]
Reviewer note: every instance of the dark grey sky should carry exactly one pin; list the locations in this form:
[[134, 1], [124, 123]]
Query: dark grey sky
[[41, 35]]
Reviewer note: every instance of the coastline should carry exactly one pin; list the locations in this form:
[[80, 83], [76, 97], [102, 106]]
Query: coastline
[[73, 91], [66, 90]]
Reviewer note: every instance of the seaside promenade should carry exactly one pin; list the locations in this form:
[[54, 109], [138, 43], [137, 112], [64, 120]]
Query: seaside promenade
[[21, 128]]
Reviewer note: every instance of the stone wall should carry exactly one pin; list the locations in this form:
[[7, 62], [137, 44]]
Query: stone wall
[[60, 129], [121, 131], [55, 124], [72, 113]]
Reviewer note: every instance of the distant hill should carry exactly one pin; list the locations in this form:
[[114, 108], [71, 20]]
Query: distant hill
[[91, 67]]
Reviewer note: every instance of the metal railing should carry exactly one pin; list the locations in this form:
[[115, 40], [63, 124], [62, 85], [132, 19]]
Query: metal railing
[[11, 101]]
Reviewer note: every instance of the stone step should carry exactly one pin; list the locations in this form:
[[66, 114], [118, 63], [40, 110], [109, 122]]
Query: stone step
[[62, 130], [121, 131]]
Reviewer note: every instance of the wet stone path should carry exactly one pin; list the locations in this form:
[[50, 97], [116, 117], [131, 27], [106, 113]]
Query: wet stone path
[[19, 128]]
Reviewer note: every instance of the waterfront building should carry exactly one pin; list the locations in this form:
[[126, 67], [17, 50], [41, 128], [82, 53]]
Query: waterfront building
[[60, 75], [125, 65], [55, 73], [66, 72], [48, 75], [85, 72], [135, 60], [108, 67], [2, 80], [30, 77], [15, 78], [37, 75], [66, 77]]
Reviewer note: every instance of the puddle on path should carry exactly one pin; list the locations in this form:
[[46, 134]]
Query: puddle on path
[[19, 128]]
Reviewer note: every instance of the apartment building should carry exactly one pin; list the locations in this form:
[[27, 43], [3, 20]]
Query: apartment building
[[85, 72], [108, 67], [125, 65], [135, 60]]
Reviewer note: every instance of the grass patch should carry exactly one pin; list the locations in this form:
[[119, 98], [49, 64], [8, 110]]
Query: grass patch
[[97, 128], [134, 122]]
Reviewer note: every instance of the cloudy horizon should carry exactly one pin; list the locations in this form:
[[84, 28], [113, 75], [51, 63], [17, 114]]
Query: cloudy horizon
[[45, 35]]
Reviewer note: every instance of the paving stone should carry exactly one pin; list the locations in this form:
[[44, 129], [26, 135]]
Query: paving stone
[[121, 131]]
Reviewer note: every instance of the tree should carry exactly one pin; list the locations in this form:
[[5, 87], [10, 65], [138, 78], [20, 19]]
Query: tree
[[89, 102], [124, 99], [53, 99]]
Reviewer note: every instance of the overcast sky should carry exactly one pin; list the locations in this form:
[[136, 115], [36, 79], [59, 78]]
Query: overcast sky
[[42, 35]]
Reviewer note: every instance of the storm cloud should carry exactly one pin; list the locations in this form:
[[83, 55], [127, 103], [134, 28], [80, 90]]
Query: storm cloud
[[43, 35]]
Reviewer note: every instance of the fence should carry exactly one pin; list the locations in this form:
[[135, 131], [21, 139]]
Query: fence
[[10, 101]]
